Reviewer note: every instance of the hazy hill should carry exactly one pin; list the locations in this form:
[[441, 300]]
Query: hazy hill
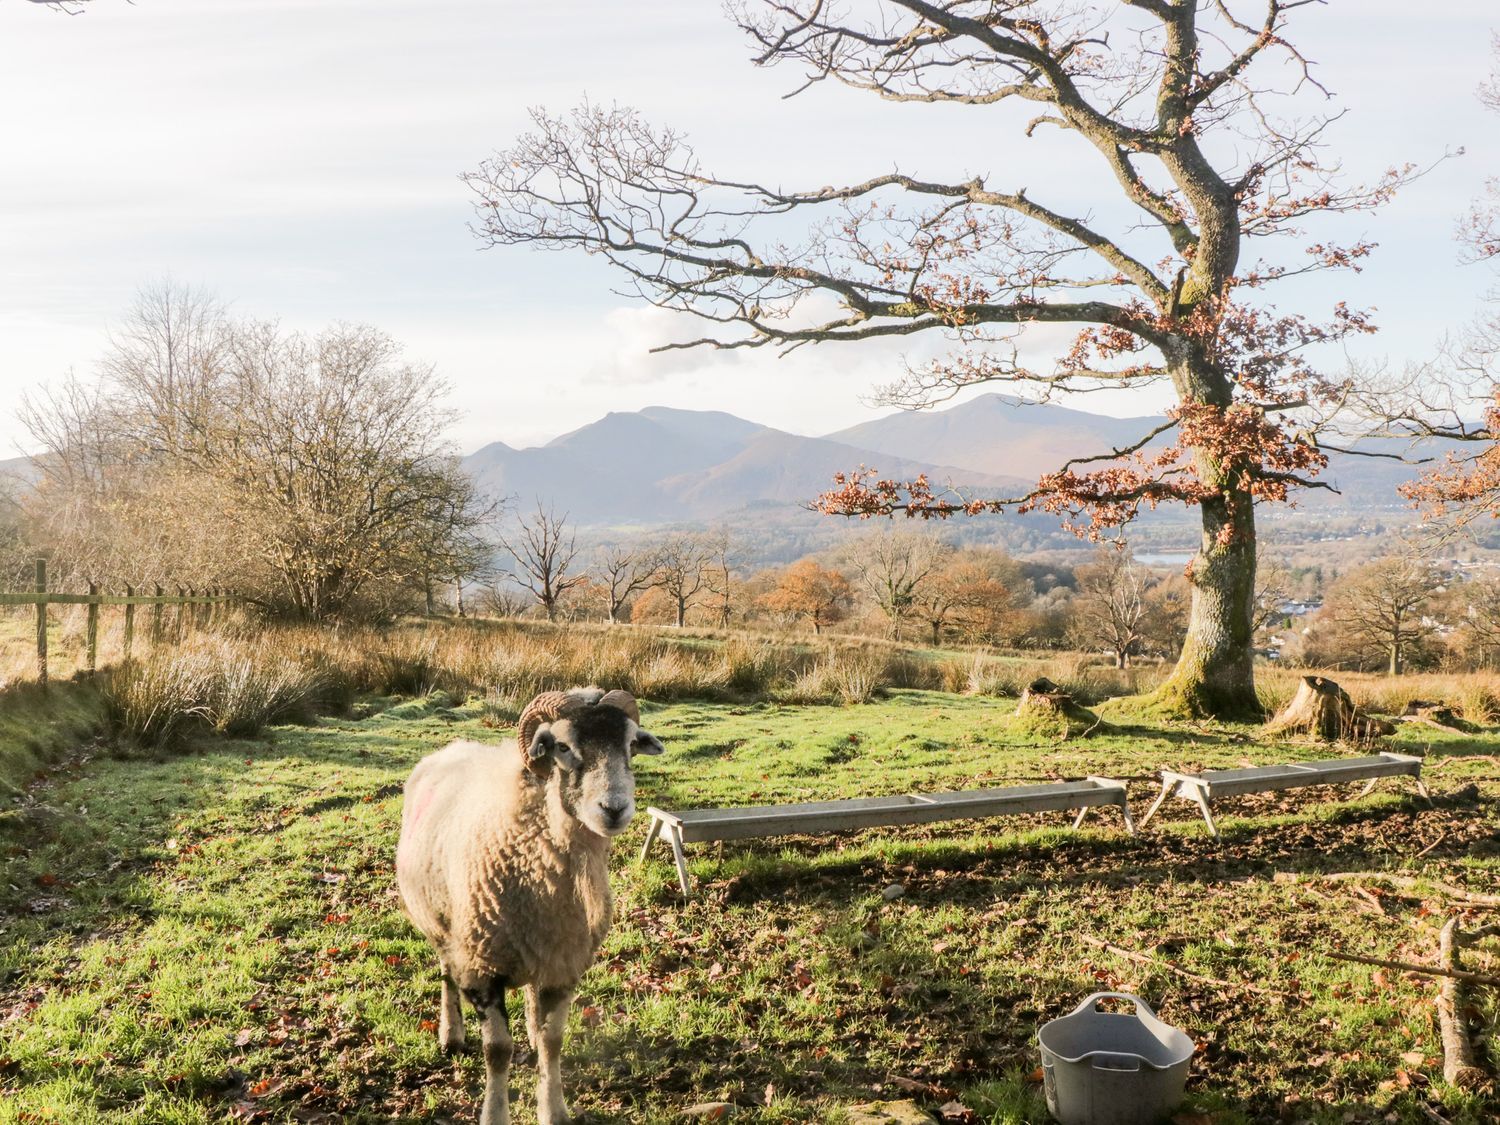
[[662, 465], [996, 434], [777, 469]]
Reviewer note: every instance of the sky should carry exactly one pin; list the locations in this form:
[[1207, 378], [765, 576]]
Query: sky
[[300, 158]]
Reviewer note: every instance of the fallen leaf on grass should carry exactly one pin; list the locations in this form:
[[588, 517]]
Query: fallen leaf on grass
[[709, 1111], [266, 1087]]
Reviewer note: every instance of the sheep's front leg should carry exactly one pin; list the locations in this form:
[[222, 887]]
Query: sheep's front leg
[[498, 1047], [546, 1018], [450, 1015]]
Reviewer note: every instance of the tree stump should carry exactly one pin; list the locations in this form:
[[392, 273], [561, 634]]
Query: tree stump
[[1321, 709], [1046, 708]]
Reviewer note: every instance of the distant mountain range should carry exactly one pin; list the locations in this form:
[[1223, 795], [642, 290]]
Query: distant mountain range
[[662, 465]]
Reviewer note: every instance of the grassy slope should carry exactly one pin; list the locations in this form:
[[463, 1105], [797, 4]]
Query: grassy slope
[[38, 726], [215, 936]]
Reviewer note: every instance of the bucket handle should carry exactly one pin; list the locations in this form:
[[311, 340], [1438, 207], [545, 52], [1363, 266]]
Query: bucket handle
[[1089, 1001]]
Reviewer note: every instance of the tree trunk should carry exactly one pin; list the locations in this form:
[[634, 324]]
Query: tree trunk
[[1215, 674], [681, 612], [937, 633], [1394, 668]]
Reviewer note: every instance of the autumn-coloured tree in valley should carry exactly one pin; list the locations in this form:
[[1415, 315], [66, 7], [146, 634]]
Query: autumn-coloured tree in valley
[[808, 590], [1180, 102]]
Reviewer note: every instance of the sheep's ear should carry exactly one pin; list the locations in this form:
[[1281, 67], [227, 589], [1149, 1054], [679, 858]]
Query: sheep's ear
[[542, 745], [646, 743], [545, 748]]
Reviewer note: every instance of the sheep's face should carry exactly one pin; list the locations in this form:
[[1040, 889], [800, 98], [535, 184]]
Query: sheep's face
[[591, 752]]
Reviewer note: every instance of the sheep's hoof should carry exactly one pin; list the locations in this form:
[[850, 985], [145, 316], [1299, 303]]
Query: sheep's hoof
[[453, 1044]]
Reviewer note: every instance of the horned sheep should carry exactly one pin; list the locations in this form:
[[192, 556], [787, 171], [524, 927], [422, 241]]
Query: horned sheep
[[502, 865]]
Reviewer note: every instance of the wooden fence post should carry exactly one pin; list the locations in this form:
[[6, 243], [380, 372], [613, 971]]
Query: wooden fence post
[[181, 624], [41, 623], [93, 629], [129, 621], [156, 617]]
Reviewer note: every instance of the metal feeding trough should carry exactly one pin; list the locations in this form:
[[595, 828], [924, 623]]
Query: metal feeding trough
[[1113, 1068]]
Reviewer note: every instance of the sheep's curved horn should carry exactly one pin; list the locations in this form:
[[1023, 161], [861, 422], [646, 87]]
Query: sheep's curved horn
[[624, 701], [545, 708]]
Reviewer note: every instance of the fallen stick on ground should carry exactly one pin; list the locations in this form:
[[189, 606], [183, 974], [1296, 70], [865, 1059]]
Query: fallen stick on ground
[[1468, 898], [1441, 837], [1409, 967], [1458, 1052], [1172, 967]]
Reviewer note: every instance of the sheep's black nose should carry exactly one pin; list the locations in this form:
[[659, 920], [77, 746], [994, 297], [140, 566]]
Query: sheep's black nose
[[614, 813]]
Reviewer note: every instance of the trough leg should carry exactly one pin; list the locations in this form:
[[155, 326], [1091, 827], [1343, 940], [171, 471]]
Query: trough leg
[[1082, 813], [651, 834], [1201, 798], [547, 1016], [498, 1048], [683, 878], [1422, 789], [1369, 788], [1125, 812], [1166, 788]]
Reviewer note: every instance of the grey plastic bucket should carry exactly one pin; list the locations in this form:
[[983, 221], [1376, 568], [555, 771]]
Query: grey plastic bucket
[[1112, 1068]]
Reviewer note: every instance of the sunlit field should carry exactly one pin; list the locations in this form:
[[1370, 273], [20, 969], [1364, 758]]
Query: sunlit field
[[208, 931]]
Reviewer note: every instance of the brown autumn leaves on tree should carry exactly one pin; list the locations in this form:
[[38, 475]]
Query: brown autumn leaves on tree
[[1175, 100], [807, 590]]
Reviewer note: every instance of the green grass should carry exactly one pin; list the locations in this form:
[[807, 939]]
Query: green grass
[[39, 726], [214, 936]]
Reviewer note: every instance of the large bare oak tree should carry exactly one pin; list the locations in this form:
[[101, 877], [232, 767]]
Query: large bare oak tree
[[1177, 99]]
